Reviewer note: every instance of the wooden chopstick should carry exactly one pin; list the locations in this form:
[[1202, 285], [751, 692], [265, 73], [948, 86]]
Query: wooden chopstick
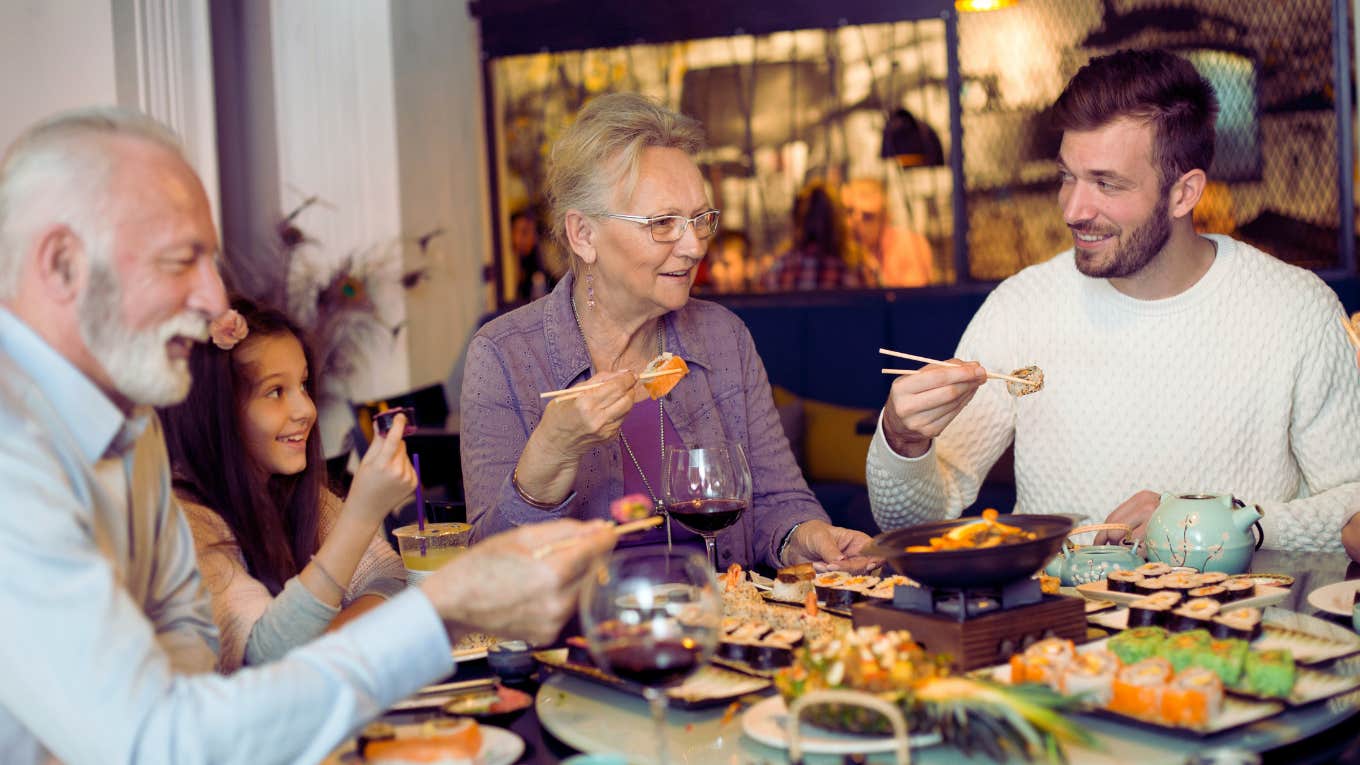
[[570, 393], [627, 528], [1351, 332], [990, 375]]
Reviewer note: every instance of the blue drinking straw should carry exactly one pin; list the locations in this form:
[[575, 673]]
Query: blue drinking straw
[[420, 501]]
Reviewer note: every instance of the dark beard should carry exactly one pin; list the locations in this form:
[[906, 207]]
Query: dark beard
[[1147, 240]]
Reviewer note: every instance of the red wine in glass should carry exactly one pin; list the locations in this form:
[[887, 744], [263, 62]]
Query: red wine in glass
[[654, 663], [707, 489], [707, 516]]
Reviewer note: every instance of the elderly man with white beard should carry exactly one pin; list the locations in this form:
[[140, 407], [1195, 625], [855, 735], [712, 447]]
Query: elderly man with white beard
[[108, 275]]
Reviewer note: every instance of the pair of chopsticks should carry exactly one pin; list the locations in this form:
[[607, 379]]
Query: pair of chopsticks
[[626, 528], [1351, 332], [435, 696], [990, 375], [569, 393]]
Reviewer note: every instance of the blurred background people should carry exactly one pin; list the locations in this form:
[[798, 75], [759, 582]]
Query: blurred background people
[[817, 255], [535, 279], [895, 255]]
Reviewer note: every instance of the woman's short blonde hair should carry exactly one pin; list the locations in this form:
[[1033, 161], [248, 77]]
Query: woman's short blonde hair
[[601, 151]]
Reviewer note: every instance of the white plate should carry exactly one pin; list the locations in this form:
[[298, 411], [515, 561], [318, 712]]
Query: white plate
[[767, 722], [1265, 595], [1335, 598], [499, 747]]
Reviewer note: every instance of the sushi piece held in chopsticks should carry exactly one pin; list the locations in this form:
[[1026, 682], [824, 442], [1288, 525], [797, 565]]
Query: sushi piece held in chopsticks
[[660, 384], [1034, 381], [632, 507]]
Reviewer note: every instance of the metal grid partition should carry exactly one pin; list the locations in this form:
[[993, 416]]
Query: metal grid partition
[[831, 96], [1276, 179]]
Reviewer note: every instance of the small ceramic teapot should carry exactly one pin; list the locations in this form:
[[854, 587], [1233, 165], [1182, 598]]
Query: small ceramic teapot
[[1208, 532], [1090, 563]]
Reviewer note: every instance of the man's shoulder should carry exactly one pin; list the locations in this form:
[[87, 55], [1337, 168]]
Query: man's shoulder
[[1038, 280], [1261, 274]]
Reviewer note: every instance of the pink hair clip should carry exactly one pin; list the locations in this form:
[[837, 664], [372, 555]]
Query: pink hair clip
[[228, 329]]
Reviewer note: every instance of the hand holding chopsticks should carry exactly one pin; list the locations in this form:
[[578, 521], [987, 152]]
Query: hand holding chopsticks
[[620, 530], [1351, 332], [567, 394], [990, 375]]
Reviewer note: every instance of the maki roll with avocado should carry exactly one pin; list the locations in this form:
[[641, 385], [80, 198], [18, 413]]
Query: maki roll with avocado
[[1268, 673], [1181, 649], [1132, 646]]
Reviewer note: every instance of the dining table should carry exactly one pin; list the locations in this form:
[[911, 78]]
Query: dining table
[[571, 714]]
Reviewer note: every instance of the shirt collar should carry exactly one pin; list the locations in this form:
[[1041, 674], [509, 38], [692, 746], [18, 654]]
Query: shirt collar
[[567, 353], [94, 421]]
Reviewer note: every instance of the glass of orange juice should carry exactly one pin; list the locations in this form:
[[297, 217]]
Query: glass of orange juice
[[424, 550]]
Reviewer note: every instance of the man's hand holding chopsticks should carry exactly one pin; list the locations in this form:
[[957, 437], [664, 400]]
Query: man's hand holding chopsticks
[[921, 405]]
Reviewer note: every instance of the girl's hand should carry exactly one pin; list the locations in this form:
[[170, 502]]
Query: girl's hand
[[385, 477]]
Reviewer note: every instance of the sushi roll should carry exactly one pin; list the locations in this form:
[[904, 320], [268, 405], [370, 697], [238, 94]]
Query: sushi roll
[[1211, 578], [1241, 623], [1224, 658], [1193, 698], [749, 632], [734, 651], [1181, 649], [1196, 614], [1180, 582], [1137, 644], [1238, 589], [1123, 581], [1153, 570], [792, 584], [881, 592], [1090, 674], [1149, 585], [1147, 612], [771, 654], [790, 638], [1213, 592], [824, 583], [1268, 673], [1167, 597], [1137, 689], [730, 624], [1045, 661]]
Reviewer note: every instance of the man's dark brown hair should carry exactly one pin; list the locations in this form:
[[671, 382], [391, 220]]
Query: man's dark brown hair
[[1155, 86]]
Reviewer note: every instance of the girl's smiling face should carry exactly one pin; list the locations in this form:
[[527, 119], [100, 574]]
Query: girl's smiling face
[[277, 413]]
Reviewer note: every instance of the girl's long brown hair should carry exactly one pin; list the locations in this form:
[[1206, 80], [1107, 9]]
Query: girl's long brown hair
[[274, 518]]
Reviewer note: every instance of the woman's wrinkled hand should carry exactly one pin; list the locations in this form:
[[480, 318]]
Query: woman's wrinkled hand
[[573, 426]]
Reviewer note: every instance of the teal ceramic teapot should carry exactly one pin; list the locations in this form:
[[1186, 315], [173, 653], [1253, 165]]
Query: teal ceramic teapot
[[1090, 563], [1208, 532]]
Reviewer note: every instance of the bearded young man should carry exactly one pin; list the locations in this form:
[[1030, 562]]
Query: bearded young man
[[1173, 362], [108, 275]]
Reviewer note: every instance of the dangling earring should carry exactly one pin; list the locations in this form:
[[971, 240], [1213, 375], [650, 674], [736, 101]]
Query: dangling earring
[[590, 288]]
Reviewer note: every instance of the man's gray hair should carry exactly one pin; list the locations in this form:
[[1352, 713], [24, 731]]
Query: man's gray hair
[[59, 171]]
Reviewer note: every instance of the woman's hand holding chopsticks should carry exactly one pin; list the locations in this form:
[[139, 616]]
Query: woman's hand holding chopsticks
[[570, 427]]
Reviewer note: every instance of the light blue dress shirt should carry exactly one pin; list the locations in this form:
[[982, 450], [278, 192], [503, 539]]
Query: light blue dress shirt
[[106, 640]]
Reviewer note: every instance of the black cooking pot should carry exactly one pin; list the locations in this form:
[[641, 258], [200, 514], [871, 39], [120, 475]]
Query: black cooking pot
[[981, 567]]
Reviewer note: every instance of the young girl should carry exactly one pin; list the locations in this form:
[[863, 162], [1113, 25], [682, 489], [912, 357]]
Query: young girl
[[282, 557]]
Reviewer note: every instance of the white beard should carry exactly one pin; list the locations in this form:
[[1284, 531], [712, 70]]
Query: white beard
[[137, 362]]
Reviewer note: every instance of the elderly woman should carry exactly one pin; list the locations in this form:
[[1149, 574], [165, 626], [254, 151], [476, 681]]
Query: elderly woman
[[630, 209]]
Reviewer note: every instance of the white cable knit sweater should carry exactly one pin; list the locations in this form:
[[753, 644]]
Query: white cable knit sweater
[[1243, 384]]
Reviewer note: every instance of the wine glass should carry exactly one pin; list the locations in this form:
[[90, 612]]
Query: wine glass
[[707, 490], [652, 618]]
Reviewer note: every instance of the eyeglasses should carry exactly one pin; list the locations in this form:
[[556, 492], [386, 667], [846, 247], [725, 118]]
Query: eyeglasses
[[669, 228]]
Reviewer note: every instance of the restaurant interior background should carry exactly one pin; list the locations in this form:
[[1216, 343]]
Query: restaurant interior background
[[365, 157]]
